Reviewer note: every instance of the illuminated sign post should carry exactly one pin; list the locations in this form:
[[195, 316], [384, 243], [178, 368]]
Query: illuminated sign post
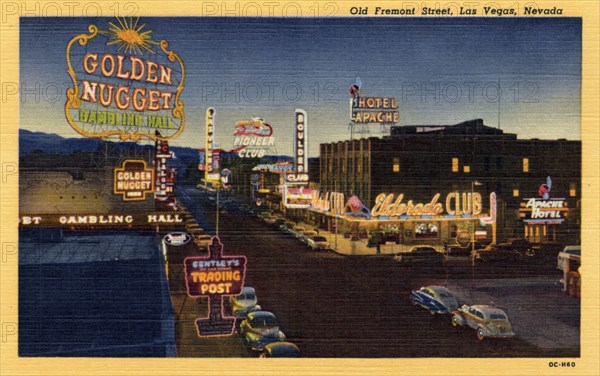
[[297, 198], [215, 276], [456, 205], [133, 180], [300, 176], [116, 91], [543, 212], [208, 154], [375, 110], [253, 138]]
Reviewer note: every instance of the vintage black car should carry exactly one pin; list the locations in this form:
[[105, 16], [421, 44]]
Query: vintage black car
[[420, 255]]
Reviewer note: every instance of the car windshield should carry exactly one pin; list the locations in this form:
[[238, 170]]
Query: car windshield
[[320, 239], [263, 321], [497, 316], [444, 294], [247, 295]]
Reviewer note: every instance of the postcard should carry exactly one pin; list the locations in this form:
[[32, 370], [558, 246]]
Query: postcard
[[357, 187]]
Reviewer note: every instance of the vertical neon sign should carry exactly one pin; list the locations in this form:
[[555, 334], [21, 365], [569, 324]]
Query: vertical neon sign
[[300, 149], [208, 159]]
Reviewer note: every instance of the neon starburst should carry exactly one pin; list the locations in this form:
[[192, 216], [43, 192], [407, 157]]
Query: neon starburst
[[130, 36]]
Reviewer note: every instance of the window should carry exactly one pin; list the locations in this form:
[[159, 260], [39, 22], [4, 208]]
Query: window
[[515, 193], [466, 169], [572, 189], [454, 164], [427, 230], [396, 164], [525, 164]]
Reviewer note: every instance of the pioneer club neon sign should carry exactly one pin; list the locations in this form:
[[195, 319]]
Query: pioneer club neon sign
[[215, 276], [253, 137], [117, 91]]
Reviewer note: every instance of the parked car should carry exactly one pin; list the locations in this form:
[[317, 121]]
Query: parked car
[[297, 231], [196, 232], [259, 329], [435, 299], [568, 253], [280, 350], [303, 237], [244, 303], [287, 226], [523, 246], [420, 255], [547, 250], [459, 250], [318, 243], [495, 253], [192, 226], [488, 321], [202, 241]]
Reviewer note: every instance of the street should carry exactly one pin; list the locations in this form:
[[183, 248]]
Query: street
[[333, 305]]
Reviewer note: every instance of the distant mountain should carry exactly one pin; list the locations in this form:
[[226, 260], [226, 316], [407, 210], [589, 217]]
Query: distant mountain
[[54, 144], [51, 143]]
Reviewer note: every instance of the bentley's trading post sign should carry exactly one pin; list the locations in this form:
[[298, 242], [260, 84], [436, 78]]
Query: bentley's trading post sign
[[215, 276]]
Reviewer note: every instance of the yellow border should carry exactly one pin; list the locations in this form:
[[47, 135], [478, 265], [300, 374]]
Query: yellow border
[[73, 100], [587, 364]]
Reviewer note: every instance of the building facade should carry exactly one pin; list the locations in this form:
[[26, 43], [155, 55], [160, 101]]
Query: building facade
[[422, 161]]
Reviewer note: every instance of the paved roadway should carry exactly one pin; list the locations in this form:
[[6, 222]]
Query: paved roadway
[[340, 306]]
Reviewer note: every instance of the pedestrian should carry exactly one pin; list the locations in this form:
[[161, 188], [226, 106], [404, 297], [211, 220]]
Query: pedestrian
[[378, 246]]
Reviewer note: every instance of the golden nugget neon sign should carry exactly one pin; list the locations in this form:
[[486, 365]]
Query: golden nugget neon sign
[[116, 93]]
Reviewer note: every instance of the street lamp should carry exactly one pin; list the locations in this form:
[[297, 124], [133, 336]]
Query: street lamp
[[473, 184]]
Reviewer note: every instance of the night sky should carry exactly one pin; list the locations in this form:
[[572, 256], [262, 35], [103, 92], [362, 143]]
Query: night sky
[[441, 70]]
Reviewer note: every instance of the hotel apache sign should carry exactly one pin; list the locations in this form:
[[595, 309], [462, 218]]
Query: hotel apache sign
[[215, 276], [543, 212], [372, 109], [133, 180], [117, 91]]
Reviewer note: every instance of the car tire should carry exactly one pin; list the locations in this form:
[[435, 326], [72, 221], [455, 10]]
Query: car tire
[[455, 321], [480, 335], [530, 252]]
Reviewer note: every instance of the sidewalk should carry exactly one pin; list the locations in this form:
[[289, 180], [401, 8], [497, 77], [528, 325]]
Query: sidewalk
[[346, 246]]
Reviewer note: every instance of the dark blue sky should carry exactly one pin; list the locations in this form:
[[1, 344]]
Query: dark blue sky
[[441, 70]]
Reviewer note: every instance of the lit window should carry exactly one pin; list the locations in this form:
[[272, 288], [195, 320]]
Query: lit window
[[454, 164], [525, 164], [467, 169], [396, 164], [515, 193], [572, 189]]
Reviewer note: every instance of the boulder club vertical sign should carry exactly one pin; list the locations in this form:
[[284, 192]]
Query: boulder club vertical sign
[[300, 176], [215, 276]]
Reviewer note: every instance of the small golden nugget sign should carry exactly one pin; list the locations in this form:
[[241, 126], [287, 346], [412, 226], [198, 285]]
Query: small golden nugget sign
[[133, 180], [119, 92]]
